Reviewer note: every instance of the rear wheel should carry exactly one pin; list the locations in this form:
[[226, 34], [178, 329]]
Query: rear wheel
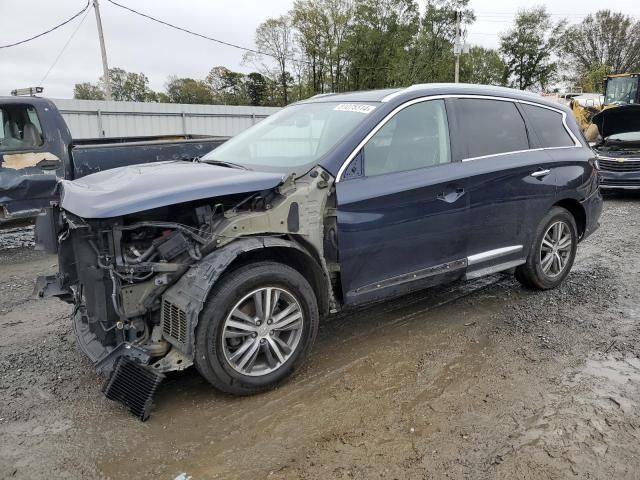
[[552, 253], [257, 327]]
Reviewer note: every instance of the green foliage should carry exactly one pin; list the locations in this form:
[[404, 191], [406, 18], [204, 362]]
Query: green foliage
[[274, 37], [325, 46], [431, 54], [256, 86], [188, 90], [483, 66], [591, 79], [322, 27], [128, 86], [528, 49], [87, 91], [376, 44]]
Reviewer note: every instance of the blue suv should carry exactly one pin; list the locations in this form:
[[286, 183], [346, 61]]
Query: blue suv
[[230, 262]]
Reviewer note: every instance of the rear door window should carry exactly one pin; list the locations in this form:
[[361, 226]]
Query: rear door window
[[491, 127], [416, 137], [548, 126]]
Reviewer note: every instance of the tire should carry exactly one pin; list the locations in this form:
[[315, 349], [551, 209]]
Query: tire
[[536, 273], [230, 322]]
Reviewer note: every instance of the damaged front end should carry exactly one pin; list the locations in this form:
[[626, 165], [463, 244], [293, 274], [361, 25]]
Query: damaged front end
[[138, 281]]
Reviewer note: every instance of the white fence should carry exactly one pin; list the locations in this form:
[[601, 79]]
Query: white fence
[[96, 118]]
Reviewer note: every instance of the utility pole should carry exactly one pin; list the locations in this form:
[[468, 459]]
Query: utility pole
[[457, 47], [105, 65]]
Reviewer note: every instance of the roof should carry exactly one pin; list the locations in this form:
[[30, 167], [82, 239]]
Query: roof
[[428, 89], [16, 100], [359, 96]]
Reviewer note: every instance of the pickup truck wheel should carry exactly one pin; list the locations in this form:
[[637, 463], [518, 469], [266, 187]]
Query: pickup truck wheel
[[256, 328], [552, 254]]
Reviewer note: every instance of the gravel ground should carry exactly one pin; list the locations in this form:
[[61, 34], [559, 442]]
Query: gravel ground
[[483, 380]]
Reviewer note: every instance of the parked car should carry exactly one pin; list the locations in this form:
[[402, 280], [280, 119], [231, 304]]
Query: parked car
[[618, 147], [36, 149], [229, 263]]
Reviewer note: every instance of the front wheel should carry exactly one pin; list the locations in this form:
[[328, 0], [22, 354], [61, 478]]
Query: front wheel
[[256, 328], [552, 253]]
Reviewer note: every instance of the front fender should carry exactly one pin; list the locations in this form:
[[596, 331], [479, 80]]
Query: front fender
[[183, 302]]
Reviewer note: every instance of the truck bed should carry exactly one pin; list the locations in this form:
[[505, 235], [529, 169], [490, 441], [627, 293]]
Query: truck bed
[[88, 158]]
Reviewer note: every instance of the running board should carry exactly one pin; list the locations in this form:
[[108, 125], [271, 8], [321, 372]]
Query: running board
[[494, 269], [133, 385]]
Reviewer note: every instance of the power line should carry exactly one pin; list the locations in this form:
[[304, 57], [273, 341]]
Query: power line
[[182, 29], [64, 48], [48, 31], [222, 42]]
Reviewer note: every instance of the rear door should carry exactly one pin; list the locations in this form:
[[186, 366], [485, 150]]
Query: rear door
[[511, 184], [402, 219]]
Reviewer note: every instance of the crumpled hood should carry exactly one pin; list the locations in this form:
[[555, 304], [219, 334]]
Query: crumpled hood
[[615, 120], [126, 190]]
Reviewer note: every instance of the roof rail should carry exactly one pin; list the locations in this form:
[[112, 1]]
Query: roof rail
[[418, 86], [321, 95]]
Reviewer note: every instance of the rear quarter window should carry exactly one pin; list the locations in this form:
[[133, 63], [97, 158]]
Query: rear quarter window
[[491, 127], [548, 126]]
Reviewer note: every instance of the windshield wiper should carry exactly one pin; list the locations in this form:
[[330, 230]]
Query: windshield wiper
[[223, 164]]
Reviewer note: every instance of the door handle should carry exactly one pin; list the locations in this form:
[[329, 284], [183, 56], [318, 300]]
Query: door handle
[[541, 173], [450, 196], [46, 164]]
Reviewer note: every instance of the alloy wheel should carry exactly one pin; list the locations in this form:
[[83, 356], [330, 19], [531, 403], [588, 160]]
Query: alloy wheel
[[262, 331], [555, 249]]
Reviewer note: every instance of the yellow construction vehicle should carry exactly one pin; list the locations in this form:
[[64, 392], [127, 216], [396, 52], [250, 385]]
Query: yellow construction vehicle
[[619, 89]]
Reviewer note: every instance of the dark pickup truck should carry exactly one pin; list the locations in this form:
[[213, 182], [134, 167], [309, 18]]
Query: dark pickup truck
[[36, 150]]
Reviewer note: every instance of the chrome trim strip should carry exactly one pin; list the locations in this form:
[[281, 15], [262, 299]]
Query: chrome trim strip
[[388, 117], [491, 254], [494, 269], [470, 159], [618, 159], [410, 277]]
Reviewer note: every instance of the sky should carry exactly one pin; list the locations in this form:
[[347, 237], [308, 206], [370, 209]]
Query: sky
[[137, 44]]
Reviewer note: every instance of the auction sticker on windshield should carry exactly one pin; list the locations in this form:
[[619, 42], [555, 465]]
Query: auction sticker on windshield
[[355, 107]]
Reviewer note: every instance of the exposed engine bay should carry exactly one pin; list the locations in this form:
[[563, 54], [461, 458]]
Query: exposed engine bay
[[138, 282]]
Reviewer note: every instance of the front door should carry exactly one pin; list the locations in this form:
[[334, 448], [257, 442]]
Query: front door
[[402, 223], [29, 161]]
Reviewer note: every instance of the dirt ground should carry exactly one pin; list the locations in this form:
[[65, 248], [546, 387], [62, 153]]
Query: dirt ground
[[481, 380]]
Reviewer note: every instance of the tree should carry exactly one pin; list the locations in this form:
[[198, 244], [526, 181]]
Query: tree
[[227, 86], [87, 91], [256, 88], [274, 39], [483, 66], [128, 86], [528, 49], [322, 27], [376, 45], [590, 81], [431, 54], [604, 39], [188, 90]]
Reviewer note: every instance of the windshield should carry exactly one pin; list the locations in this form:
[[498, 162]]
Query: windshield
[[294, 137], [622, 90], [625, 137]]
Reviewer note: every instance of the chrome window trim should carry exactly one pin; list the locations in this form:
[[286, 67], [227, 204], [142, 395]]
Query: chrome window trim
[[516, 151], [401, 107]]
